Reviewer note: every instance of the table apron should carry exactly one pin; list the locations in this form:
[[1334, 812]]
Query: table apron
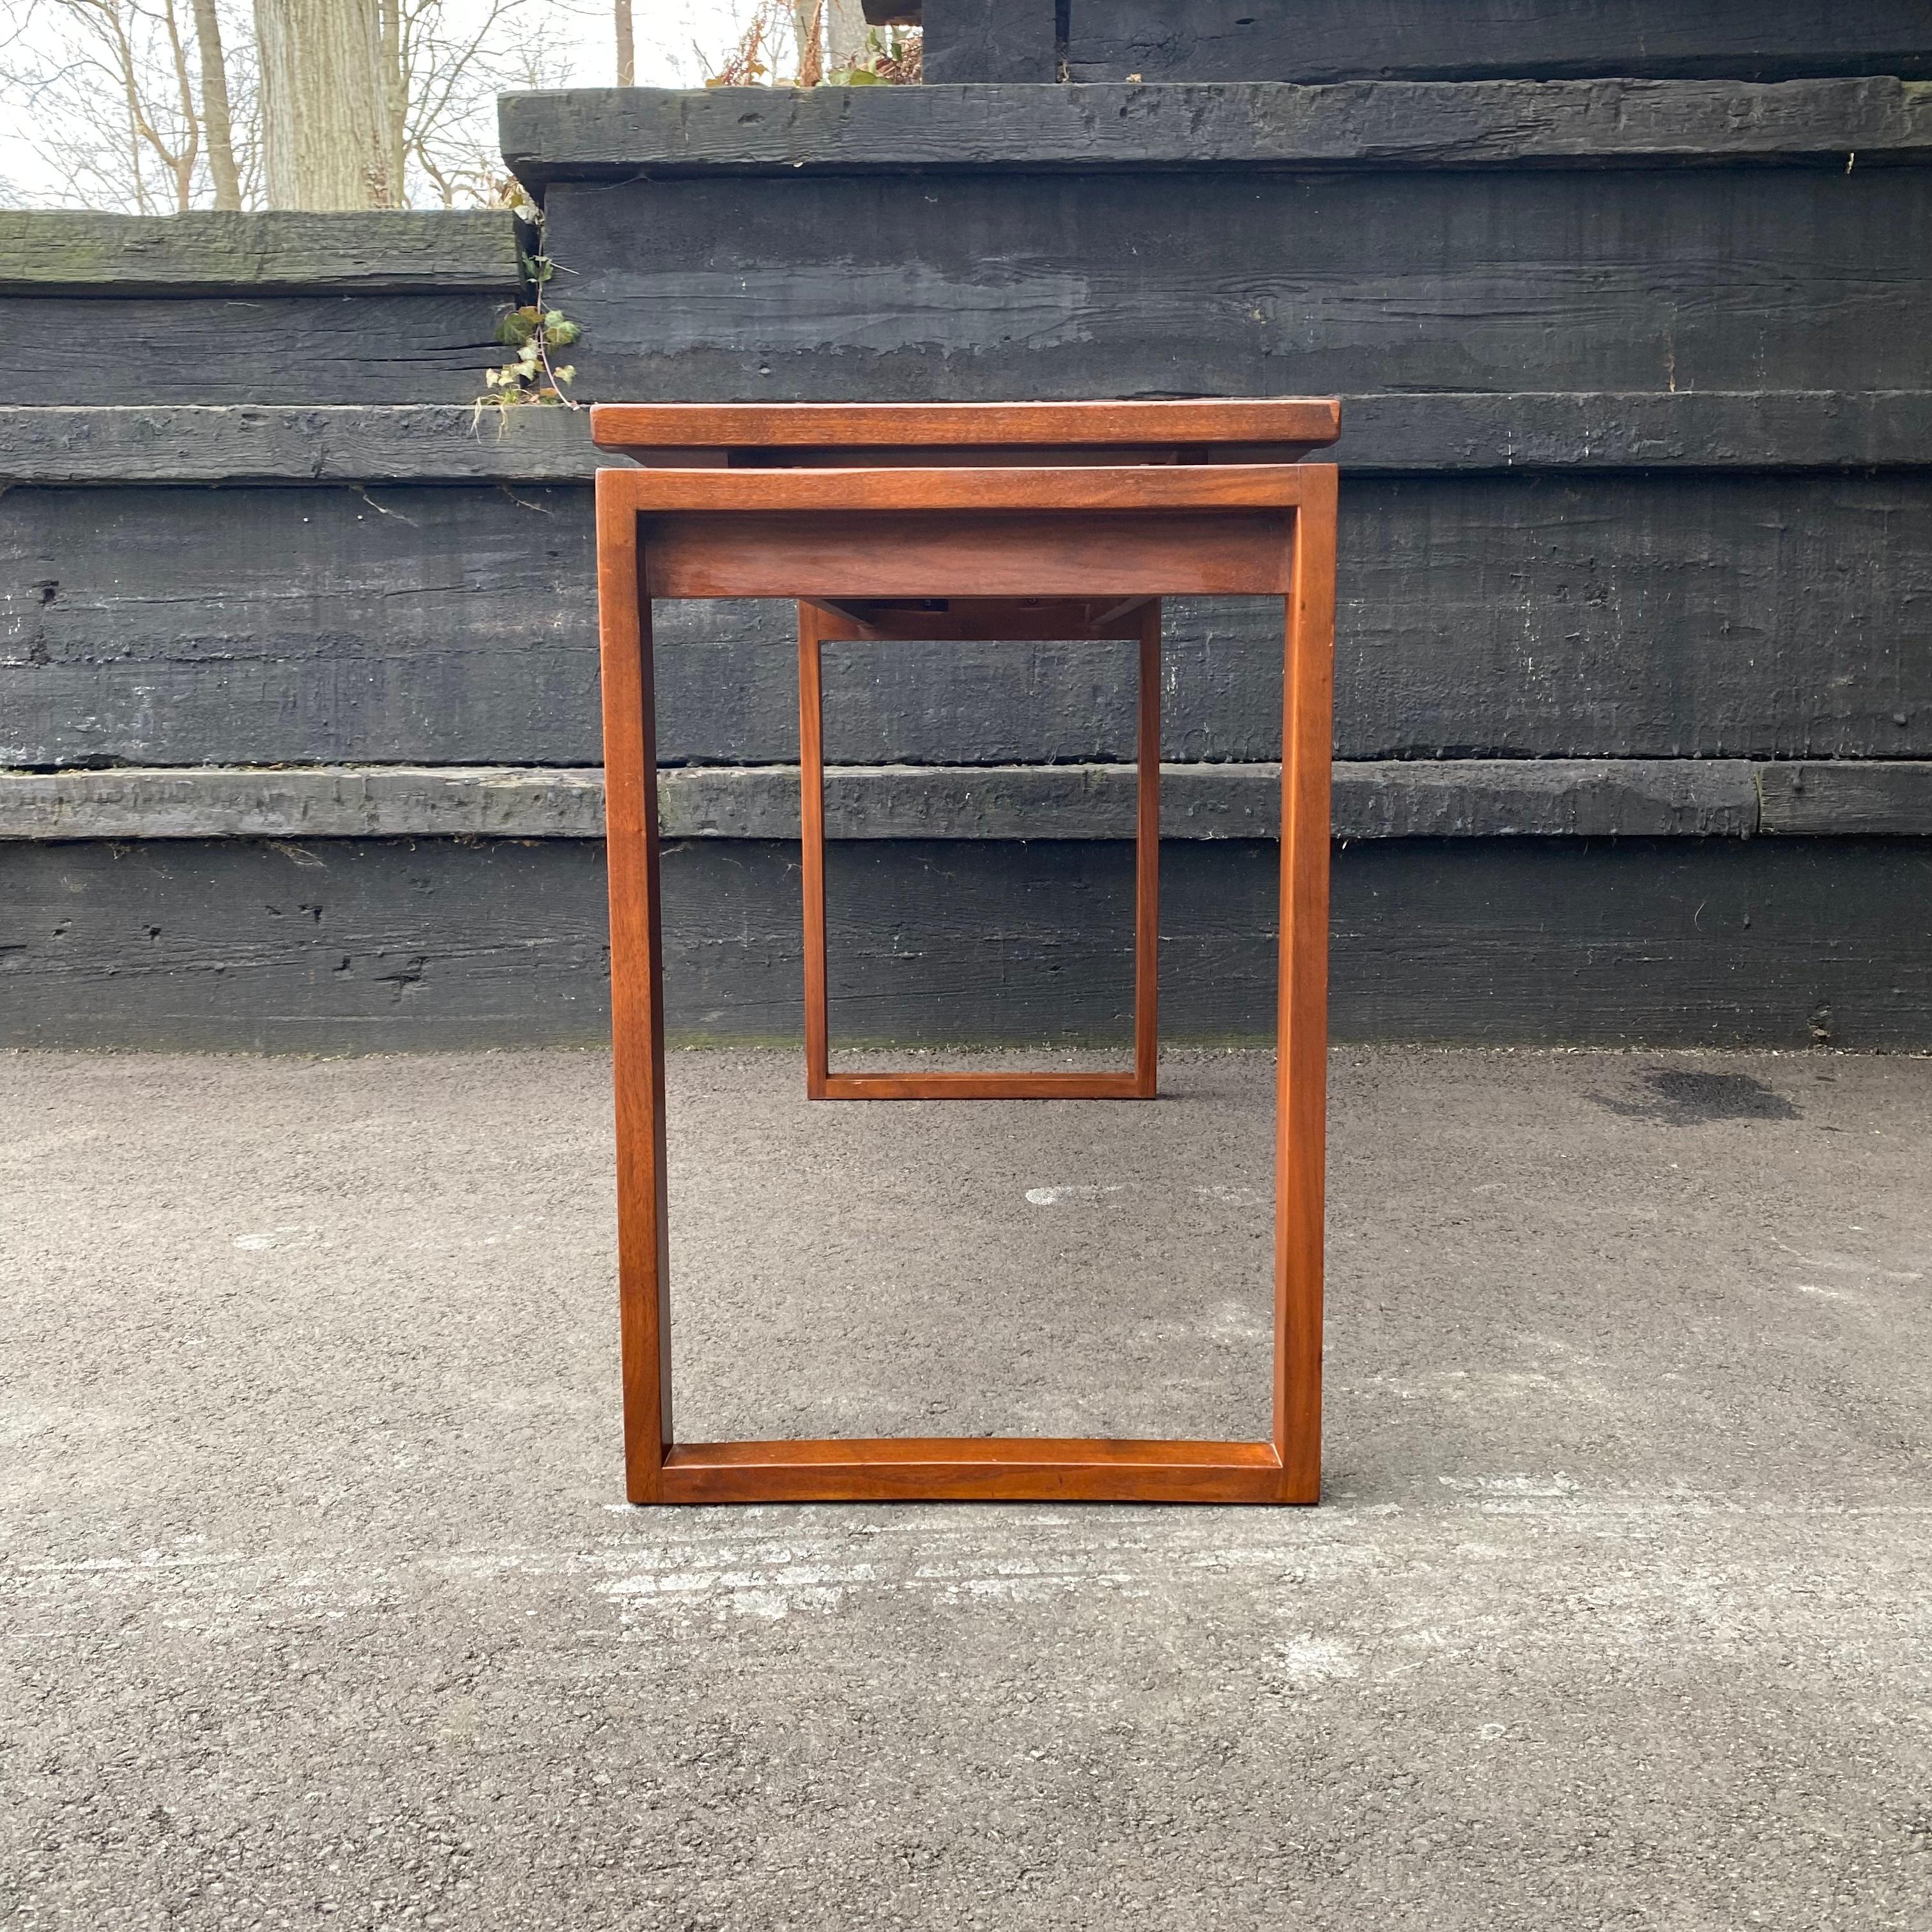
[[956, 554]]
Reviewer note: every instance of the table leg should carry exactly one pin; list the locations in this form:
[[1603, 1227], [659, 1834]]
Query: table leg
[[811, 845], [1301, 1048], [1147, 860], [637, 995]]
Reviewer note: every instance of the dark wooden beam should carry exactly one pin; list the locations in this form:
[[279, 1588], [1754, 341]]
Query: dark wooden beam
[[82, 251], [612, 133]]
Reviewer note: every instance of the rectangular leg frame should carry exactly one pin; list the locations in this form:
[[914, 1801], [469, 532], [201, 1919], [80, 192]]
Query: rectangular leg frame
[[632, 508], [820, 1082]]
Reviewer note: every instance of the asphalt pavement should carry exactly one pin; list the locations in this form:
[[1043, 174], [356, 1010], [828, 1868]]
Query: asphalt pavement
[[320, 1605]]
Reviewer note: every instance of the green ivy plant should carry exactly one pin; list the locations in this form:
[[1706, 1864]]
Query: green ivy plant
[[533, 332]]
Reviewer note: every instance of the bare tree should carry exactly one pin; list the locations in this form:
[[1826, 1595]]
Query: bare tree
[[808, 28], [395, 91], [325, 105], [845, 34], [109, 94], [217, 117], [153, 106], [447, 82], [627, 46], [425, 88]]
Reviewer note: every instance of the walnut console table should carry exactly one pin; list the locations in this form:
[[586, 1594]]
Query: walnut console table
[[978, 521]]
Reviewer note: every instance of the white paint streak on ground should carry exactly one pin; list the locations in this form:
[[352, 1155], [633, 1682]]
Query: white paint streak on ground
[[1849, 1264], [1310, 1659], [1558, 1485], [287, 1234], [1465, 1385], [1826, 1293], [1642, 1569], [148, 1560], [1224, 1192]]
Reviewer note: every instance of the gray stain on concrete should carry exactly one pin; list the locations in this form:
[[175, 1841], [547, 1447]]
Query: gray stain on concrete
[[1687, 1097]]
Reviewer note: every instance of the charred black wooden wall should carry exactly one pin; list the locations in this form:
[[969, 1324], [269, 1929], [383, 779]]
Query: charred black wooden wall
[[298, 674], [1313, 41]]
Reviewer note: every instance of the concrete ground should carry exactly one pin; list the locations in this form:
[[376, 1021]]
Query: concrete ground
[[322, 1607]]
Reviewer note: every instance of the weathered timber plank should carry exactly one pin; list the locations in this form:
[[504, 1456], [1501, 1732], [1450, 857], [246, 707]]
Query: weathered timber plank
[[614, 133], [1383, 434], [1639, 617], [982, 286], [349, 946], [1710, 797], [297, 625], [1760, 430], [1659, 616], [83, 251], [988, 40], [428, 443], [327, 802], [1460, 40], [1855, 799], [1570, 797], [267, 348], [330, 947]]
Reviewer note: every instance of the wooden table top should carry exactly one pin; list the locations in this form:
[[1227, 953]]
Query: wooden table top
[[711, 435]]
